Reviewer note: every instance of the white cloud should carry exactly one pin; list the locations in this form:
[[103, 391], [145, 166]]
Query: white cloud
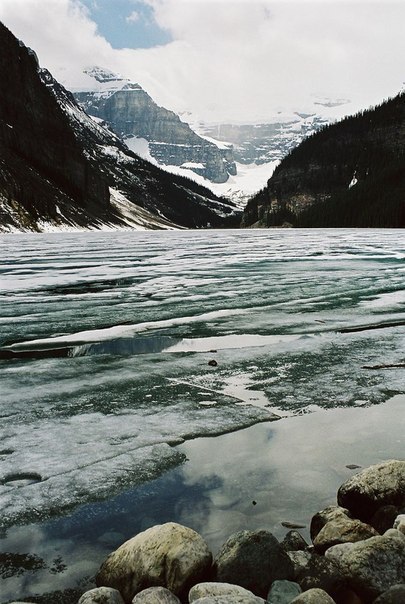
[[133, 17], [60, 31], [233, 59]]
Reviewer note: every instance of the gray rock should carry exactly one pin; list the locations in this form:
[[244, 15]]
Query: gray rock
[[384, 518], [213, 589], [293, 542], [300, 560], [229, 599], [168, 555], [315, 571], [399, 523], [155, 595], [376, 486], [394, 595], [283, 592], [171, 140], [313, 596], [342, 530], [253, 559], [101, 595], [371, 566], [332, 512]]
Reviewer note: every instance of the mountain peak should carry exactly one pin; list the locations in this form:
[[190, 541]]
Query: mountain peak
[[101, 74]]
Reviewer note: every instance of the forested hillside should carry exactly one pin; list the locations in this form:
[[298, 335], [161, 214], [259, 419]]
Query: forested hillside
[[349, 174]]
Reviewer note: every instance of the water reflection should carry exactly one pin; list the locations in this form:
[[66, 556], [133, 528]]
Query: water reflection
[[290, 469]]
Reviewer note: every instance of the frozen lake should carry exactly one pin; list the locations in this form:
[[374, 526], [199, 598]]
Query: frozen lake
[[106, 342]]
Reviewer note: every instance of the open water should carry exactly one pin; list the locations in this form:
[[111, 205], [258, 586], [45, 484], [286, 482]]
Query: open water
[[116, 348]]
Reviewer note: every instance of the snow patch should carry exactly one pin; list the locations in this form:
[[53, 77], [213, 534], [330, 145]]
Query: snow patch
[[192, 165], [354, 181], [138, 218]]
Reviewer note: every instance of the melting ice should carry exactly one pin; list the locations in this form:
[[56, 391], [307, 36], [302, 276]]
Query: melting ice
[[115, 347]]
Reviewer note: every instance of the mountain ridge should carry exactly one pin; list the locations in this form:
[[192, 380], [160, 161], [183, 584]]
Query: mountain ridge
[[349, 174], [59, 167], [131, 112]]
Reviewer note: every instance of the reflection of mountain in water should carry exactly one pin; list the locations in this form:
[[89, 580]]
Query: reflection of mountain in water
[[126, 346]]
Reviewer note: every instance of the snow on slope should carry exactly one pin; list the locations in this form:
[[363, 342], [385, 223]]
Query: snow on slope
[[132, 218], [250, 178]]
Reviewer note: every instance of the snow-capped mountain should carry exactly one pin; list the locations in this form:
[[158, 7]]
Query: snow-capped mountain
[[60, 169], [232, 160], [133, 115], [273, 138]]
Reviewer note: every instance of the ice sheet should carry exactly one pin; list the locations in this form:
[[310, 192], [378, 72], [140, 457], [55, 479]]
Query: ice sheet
[[173, 335]]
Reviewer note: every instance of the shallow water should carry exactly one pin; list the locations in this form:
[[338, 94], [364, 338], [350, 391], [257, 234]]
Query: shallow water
[[106, 340], [252, 479]]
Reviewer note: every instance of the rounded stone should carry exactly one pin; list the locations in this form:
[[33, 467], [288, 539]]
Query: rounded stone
[[332, 512], [315, 571], [399, 523], [228, 599], [168, 555], [313, 596], [283, 592], [384, 518], [253, 559], [371, 566], [379, 485], [101, 595], [342, 530], [155, 595], [393, 595], [214, 589], [293, 542]]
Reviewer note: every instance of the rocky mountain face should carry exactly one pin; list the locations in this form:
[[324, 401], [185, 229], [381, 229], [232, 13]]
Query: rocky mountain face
[[267, 142], [60, 168], [42, 163], [349, 174], [130, 112]]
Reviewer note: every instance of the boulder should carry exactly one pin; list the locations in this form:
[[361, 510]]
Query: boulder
[[228, 599], [371, 566], [168, 555], [342, 530], [283, 592], [211, 589], [101, 595], [293, 542], [155, 595], [315, 571], [399, 523], [384, 518], [332, 512], [313, 596], [393, 595], [376, 486], [253, 559]]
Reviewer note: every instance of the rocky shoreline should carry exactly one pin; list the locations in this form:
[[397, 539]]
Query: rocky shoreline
[[357, 556]]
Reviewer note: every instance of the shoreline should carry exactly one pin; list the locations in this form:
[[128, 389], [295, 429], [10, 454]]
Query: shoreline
[[253, 478]]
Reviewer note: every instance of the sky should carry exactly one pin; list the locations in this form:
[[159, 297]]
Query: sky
[[224, 60]]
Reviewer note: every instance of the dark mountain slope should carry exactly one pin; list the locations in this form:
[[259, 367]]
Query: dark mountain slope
[[58, 166], [41, 162], [350, 174]]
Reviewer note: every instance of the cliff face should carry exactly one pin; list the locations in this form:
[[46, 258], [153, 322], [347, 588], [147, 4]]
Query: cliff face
[[60, 167], [265, 142], [130, 112], [350, 174], [41, 161]]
